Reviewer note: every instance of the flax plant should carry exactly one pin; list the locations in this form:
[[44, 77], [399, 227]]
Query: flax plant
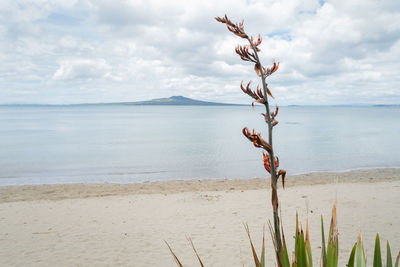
[[249, 53], [302, 255]]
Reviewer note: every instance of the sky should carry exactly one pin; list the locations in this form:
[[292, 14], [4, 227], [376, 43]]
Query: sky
[[66, 52]]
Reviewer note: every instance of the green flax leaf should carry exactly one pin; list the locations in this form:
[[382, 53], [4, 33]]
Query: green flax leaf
[[324, 264], [352, 254], [397, 260], [284, 252], [263, 251], [301, 257], [388, 256], [360, 256], [377, 253]]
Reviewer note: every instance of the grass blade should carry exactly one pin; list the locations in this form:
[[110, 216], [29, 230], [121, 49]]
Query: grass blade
[[195, 251], [256, 260], [173, 254]]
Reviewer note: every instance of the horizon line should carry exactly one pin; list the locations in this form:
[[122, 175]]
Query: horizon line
[[216, 104]]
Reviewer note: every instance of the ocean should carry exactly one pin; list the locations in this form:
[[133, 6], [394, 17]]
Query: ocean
[[129, 144]]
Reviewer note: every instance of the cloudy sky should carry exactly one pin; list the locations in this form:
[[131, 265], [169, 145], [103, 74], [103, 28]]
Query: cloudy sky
[[331, 52]]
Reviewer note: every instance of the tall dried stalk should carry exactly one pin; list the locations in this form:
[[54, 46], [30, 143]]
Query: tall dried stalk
[[271, 163]]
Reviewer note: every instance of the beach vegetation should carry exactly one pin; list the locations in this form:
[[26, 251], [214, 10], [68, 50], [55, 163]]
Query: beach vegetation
[[302, 255]]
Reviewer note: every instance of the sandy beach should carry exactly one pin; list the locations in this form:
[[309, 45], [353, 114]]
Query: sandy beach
[[126, 224]]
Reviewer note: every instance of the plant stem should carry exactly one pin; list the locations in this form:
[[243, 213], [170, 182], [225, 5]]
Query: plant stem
[[274, 198]]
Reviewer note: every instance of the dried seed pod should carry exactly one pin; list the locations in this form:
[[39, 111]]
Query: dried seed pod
[[275, 113], [243, 52], [257, 70], [265, 117], [283, 174], [257, 140], [256, 43], [268, 91], [237, 29], [259, 92], [258, 96], [248, 91]]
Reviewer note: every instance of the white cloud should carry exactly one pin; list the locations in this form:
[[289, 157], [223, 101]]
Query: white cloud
[[82, 69], [101, 51]]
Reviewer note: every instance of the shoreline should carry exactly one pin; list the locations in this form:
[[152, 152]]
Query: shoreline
[[17, 193], [126, 224]]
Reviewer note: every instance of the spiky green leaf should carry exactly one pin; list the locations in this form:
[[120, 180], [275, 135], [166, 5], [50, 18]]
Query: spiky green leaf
[[296, 238], [360, 256], [308, 247], [397, 260], [331, 254], [352, 254], [388, 256], [301, 249], [324, 264], [377, 253], [263, 251], [284, 252]]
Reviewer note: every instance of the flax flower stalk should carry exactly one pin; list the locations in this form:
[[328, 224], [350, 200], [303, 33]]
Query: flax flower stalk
[[274, 180], [252, 56]]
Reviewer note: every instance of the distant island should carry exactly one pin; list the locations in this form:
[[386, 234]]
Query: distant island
[[186, 101], [177, 101], [168, 101]]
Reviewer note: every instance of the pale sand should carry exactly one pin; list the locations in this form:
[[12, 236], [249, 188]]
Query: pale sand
[[109, 224]]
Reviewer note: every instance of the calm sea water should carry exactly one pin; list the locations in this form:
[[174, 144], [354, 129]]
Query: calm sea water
[[69, 144]]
